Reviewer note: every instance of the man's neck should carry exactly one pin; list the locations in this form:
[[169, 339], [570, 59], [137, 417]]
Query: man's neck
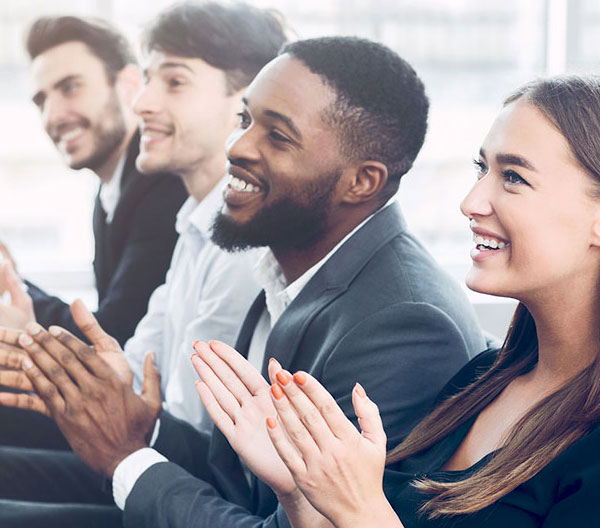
[[295, 262], [202, 180], [106, 171]]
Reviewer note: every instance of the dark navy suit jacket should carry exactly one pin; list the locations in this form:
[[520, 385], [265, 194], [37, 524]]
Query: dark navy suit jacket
[[132, 253], [380, 311]]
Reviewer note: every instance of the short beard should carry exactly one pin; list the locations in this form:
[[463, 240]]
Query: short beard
[[287, 224], [109, 132]]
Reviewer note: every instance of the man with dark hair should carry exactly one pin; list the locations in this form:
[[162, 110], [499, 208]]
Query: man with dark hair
[[85, 77], [348, 294]]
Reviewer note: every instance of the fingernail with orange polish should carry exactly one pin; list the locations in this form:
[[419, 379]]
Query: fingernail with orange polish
[[277, 391], [300, 377], [271, 422], [283, 377], [359, 390]]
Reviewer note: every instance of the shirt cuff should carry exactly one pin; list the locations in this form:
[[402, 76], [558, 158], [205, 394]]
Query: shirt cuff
[[129, 470]]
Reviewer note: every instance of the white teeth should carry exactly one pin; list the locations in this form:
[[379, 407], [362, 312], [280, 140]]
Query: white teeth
[[71, 134], [488, 243], [240, 185]]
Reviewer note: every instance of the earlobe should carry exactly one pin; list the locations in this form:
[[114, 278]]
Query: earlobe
[[369, 179], [595, 241]]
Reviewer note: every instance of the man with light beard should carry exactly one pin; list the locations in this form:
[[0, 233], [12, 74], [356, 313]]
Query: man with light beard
[[84, 77]]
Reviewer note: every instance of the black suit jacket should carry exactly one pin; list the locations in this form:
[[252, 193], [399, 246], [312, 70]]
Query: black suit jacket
[[380, 311], [132, 253]]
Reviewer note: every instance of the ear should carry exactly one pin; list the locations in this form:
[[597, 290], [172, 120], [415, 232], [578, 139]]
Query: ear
[[236, 106], [128, 83], [368, 178], [595, 237]]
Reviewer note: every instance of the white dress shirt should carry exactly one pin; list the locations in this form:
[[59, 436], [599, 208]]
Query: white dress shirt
[[207, 294], [110, 192], [278, 296]]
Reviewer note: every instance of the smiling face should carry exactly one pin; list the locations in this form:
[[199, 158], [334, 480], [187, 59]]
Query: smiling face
[[81, 111], [532, 211], [285, 162], [186, 115]]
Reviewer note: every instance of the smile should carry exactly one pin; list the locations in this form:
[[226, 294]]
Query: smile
[[239, 185], [488, 243]]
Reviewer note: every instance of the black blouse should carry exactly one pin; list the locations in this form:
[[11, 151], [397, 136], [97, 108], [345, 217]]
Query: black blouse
[[566, 493]]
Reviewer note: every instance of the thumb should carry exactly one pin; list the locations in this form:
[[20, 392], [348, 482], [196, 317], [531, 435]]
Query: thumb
[[151, 383], [368, 416], [89, 325], [18, 296]]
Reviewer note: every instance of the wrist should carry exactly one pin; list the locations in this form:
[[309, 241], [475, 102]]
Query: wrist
[[376, 514]]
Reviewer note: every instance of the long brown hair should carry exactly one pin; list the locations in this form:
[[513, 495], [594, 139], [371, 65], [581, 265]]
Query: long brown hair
[[572, 104]]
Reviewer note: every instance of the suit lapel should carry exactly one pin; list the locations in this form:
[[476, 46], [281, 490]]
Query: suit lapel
[[329, 283]]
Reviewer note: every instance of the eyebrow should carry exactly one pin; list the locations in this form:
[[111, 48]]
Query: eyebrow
[[169, 66], [511, 159], [281, 117], [39, 97]]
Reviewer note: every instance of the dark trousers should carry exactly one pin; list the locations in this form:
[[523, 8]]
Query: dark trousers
[[22, 428]]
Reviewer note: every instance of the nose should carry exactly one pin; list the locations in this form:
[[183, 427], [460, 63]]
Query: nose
[[54, 112], [478, 201], [147, 100], [241, 144]]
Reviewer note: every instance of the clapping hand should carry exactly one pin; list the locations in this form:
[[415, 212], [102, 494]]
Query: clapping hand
[[337, 468]]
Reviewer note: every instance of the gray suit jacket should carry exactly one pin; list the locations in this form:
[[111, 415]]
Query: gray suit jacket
[[381, 312]]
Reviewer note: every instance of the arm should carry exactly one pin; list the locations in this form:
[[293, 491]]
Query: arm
[[141, 268]]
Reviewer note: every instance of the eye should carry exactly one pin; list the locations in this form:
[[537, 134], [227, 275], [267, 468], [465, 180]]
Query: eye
[[69, 88], [244, 119], [480, 168], [174, 82], [275, 135], [512, 178]]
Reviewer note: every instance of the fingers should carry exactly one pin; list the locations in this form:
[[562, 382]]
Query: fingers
[[293, 417], [221, 419], [44, 373], [368, 416], [228, 393], [238, 365], [316, 406], [10, 336], [272, 369], [151, 382], [286, 451], [19, 297], [24, 401], [11, 357], [15, 379], [90, 327], [45, 389], [75, 355]]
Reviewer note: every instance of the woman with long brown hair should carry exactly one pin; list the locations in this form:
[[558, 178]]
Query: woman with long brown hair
[[514, 437]]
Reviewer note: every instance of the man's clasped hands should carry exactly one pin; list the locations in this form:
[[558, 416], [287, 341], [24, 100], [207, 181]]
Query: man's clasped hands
[[290, 433]]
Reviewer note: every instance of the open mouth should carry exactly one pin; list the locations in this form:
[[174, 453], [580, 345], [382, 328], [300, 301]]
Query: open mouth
[[489, 243], [242, 186]]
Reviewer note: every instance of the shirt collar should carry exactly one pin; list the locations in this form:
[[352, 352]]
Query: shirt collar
[[278, 293], [200, 215], [111, 190]]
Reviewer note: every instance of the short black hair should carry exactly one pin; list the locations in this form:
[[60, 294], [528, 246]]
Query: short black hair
[[103, 40], [238, 39], [381, 107]]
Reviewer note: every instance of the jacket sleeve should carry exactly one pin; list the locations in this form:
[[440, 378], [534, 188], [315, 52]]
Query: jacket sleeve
[[141, 268]]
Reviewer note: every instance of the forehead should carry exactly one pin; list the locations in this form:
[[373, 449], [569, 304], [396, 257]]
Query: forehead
[[287, 86], [157, 61], [70, 58], [522, 129]]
